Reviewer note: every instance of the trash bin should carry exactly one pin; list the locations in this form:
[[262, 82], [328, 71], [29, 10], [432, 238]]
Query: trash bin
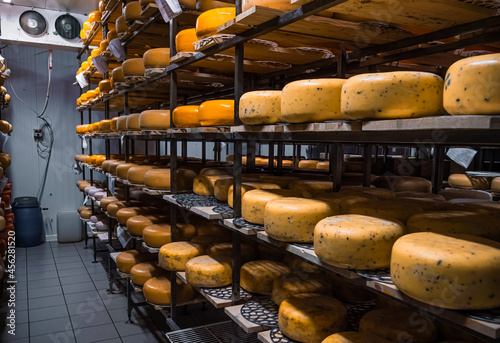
[[69, 227], [29, 222]]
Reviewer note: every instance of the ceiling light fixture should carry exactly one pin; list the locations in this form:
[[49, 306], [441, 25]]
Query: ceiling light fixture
[[7, 1]]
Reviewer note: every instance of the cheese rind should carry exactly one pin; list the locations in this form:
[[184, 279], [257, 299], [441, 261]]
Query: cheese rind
[[156, 58], [248, 186], [160, 179], [204, 184], [133, 122], [310, 188], [260, 107], [290, 284], [185, 39], [157, 291], [137, 174], [216, 112], [133, 67], [208, 22], [258, 276], [209, 271], [175, 255], [469, 182], [154, 120], [186, 116], [127, 259], [142, 272], [386, 209], [459, 271], [353, 337]]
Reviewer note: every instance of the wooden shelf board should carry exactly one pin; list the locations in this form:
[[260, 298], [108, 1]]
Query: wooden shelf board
[[234, 312], [216, 302]]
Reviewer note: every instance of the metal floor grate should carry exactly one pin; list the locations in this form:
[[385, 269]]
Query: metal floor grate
[[213, 333]]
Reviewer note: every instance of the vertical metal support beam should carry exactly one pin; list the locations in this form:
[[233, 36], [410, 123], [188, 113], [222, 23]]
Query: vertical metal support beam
[[127, 150], [237, 174], [146, 147], [203, 152], [251, 156], [271, 157], [336, 161], [238, 81], [480, 159], [184, 150], [341, 64], [367, 164], [132, 146], [437, 168], [280, 158]]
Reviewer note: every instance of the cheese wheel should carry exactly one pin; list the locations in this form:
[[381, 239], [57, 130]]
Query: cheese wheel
[[208, 22], [260, 107], [160, 179], [344, 200], [136, 174], [400, 94], [208, 240], [459, 271], [353, 337], [209, 271], [386, 209], [204, 184], [491, 207], [469, 182], [132, 11], [122, 123], [136, 224], [186, 116], [174, 256], [122, 169], [126, 213], [216, 112], [253, 203], [356, 241], [495, 185], [142, 272], [455, 193], [248, 186], [118, 75], [427, 204], [127, 259], [311, 100], [290, 284], [133, 67], [423, 195], [258, 276], [446, 222], [114, 207], [185, 40], [471, 86], [308, 164], [114, 124], [157, 291], [156, 235], [299, 265], [105, 85], [380, 193], [106, 201], [403, 183], [113, 166], [310, 188], [154, 120], [310, 317], [247, 251], [213, 171], [156, 58], [133, 122]]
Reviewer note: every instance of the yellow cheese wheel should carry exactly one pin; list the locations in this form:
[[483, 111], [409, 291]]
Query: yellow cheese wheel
[[247, 251], [353, 337], [248, 186], [154, 120], [136, 174], [114, 124], [472, 86], [356, 241], [156, 58], [386, 209], [157, 291], [114, 207], [127, 259], [175, 255], [186, 116], [133, 67], [118, 75], [216, 112], [310, 317], [292, 219], [204, 184], [253, 203], [132, 11], [258, 276], [105, 202], [469, 182], [185, 40], [136, 224], [208, 22], [260, 107], [122, 123], [308, 164], [113, 166], [400, 94], [209, 271], [380, 193], [310, 188], [122, 169], [142, 272], [459, 271], [124, 214], [290, 284], [403, 183], [160, 179], [133, 122], [311, 100]]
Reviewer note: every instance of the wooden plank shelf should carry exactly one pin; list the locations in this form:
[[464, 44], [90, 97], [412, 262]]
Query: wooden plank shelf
[[265, 337], [234, 312], [216, 302], [149, 10], [243, 230]]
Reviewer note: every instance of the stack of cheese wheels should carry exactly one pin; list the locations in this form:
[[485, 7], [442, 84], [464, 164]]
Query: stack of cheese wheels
[[355, 337], [290, 284], [127, 259], [461, 222], [106, 201], [136, 224], [122, 169], [471, 86], [398, 324], [133, 67], [156, 58], [154, 120], [174, 256], [204, 184], [160, 179], [126, 213], [403, 183], [310, 188], [468, 265], [258, 276], [386, 209], [142, 272], [248, 186], [311, 100], [310, 317], [208, 22], [291, 219], [469, 182], [380, 193], [157, 291], [137, 174], [345, 200], [209, 271], [185, 40], [216, 112], [247, 251], [355, 241], [186, 116], [392, 95], [260, 107], [133, 122]]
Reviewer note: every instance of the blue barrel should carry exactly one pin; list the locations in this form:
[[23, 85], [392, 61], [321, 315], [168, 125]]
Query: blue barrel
[[28, 222]]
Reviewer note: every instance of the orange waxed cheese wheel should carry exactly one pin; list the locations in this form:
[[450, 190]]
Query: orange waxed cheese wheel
[[105, 85], [136, 174], [142, 272], [105, 125], [186, 116], [185, 39], [156, 58], [208, 22], [133, 67], [114, 124], [216, 113]]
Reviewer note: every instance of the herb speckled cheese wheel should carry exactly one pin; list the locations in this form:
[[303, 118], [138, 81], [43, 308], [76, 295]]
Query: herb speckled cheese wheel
[[209, 271], [160, 179], [133, 67], [258, 276], [133, 122], [445, 222], [127, 259], [142, 272], [469, 182], [185, 39], [472, 86], [310, 188], [136, 174], [386, 209], [208, 22], [260, 107], [154, 120], [353, 337], [458, 271], [175, 255], [355, 241], [216, 112], [156, 58], [204, 184], [290, 284], [311, 100], [186, 116], [403, 183], [310, 317], [248, 186], [157, 291], [122, 123], [293, 219], [393, 95]]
